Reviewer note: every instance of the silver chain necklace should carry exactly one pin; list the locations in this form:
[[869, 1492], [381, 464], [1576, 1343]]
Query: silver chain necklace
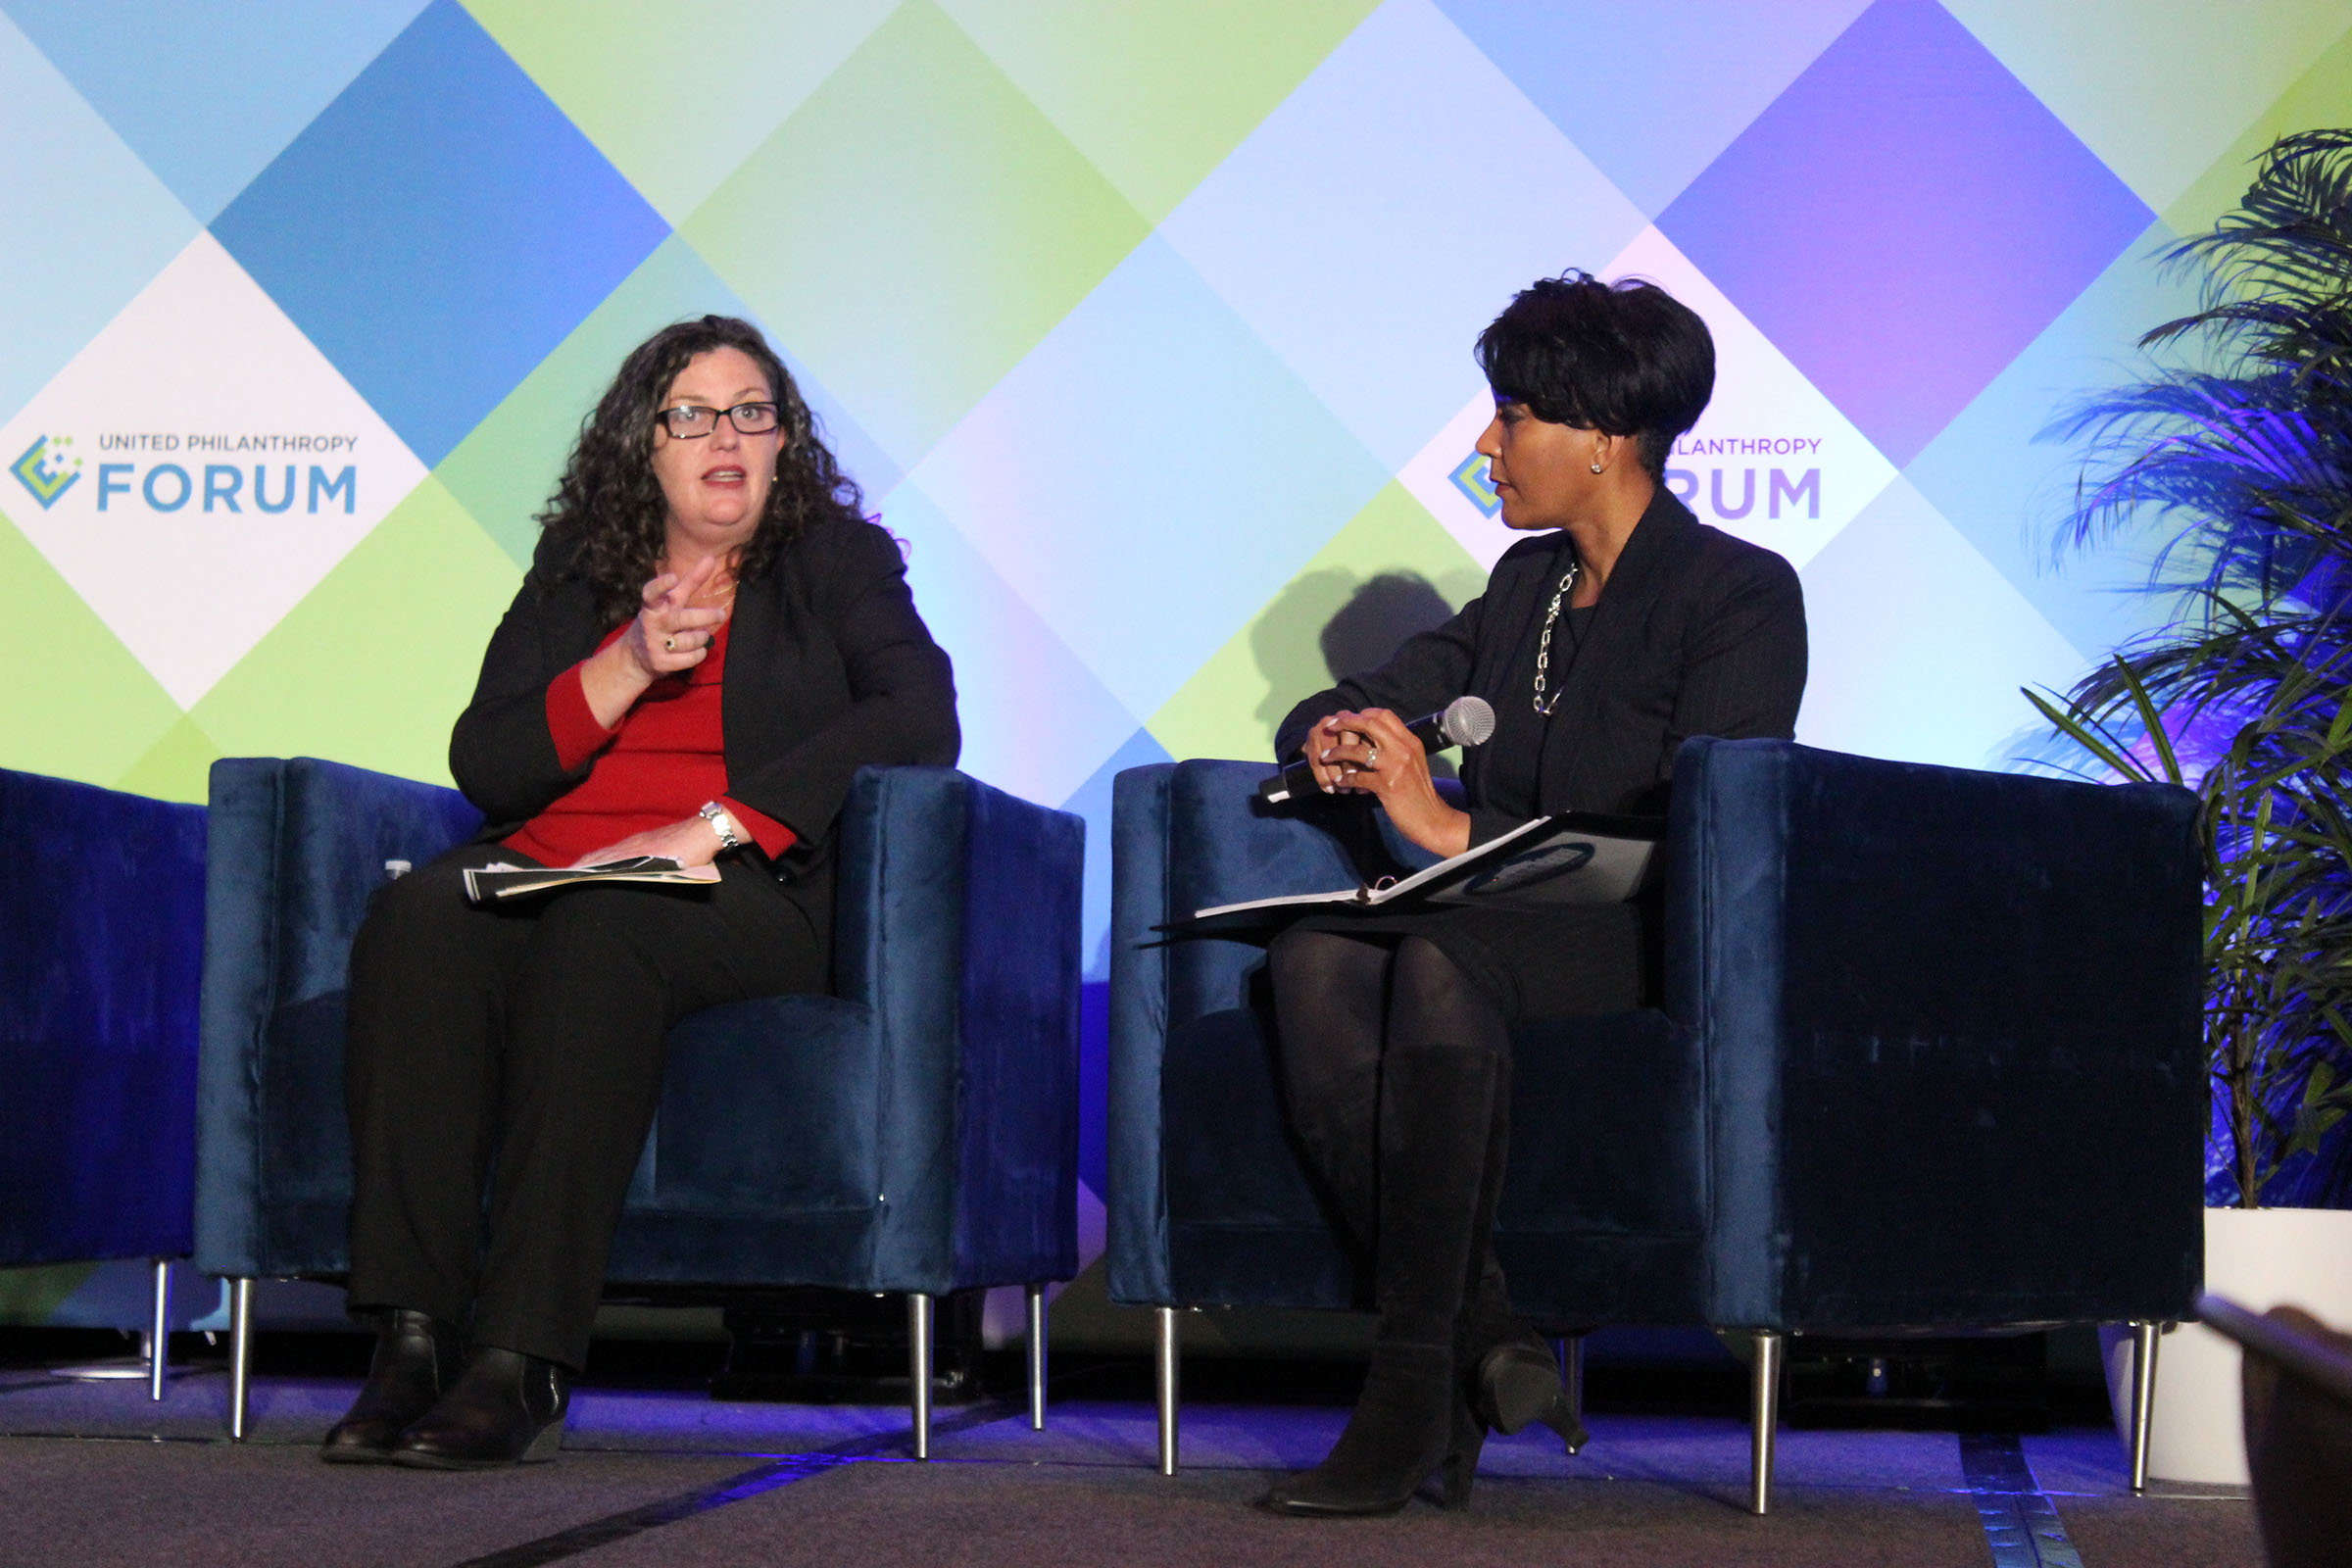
[[1546, 702]]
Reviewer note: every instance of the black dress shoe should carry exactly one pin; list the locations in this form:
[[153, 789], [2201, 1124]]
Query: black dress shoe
[[1518, 1382], [505, 1408], [416, 1357]]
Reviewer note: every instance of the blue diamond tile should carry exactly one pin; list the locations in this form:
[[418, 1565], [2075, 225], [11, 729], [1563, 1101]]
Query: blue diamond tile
[[1383, 214], [86, 224], [208, 95], [1148, 477], [2003, 473], [438, 228], [1091, 801], [1705, 68], [1919, 645], [1036, 720]]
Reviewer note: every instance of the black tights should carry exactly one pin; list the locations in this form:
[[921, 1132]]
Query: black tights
[[1395, 1071]]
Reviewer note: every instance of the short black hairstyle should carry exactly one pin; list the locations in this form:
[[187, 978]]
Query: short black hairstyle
[[1627, 358]]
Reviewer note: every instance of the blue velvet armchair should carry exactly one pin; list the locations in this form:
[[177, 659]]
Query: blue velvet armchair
[[1928, 1058], [914, 1132], [101, 937]]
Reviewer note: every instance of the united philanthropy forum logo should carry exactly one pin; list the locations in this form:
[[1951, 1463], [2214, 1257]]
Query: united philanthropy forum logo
[[45, 472], [1783, 484]]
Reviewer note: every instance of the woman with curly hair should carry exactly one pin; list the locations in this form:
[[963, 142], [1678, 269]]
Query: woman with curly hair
[[709, 643]]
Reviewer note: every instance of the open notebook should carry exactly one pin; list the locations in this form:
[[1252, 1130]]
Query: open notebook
[[491, 883], [1574, 857]]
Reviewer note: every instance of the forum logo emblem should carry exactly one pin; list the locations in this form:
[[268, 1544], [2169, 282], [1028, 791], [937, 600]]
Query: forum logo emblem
[[1470, 478], [45, 470]]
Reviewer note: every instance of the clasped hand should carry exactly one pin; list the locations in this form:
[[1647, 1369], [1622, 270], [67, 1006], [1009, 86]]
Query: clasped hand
[[1373, 752]]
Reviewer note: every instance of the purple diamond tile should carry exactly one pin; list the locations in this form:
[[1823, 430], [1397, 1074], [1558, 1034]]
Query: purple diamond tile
[[1904, 221]]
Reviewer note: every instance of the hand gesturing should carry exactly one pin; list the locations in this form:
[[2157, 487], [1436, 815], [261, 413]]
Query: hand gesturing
[[670, 633]]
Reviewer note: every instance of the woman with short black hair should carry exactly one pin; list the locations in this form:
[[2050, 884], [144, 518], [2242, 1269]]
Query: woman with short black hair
[[1623, 627], [709, 643]]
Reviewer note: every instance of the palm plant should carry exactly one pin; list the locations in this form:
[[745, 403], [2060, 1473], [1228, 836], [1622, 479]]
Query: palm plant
[[2241, 462]]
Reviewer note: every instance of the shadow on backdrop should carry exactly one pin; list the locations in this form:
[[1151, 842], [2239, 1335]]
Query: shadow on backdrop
[[1326, 625]]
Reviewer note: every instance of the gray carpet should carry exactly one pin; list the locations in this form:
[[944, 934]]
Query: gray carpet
[[95, 1475]]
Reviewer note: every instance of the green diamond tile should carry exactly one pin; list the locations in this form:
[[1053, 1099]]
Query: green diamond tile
[[913, 229], [176, 768], [1393, 569], [374, 665], [31, 1295], [1157, 94], [2321, 97], [83, 707], [2157, 88], [676, 99]]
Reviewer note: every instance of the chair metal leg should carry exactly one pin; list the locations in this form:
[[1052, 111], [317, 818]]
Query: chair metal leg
[[1572, 1374], [2143, 1400], [1765, 1405], [1164, 1368], [240, 1353], [159, 1331], [918, 1367], [1037, 1357]]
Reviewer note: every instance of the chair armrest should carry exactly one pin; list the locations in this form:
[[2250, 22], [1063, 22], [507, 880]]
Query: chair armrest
[[1952, 1037], [957, 921], [295, 847], [1186, 836], [101, 940]]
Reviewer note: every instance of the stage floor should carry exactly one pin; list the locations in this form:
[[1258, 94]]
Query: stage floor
[[96, 1474]]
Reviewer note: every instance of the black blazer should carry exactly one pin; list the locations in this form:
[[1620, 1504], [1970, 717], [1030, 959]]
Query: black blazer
[[828, 668], [1698, 633]]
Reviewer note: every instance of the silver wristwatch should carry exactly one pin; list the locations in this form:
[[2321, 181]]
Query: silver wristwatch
[[717, 816]]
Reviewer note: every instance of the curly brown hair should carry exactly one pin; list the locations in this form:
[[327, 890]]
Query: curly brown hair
[[610, 503]]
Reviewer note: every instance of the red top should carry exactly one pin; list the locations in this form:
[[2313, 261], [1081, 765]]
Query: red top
[[666, 757]]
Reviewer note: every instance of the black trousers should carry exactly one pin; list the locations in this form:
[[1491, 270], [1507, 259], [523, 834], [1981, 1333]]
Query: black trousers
[[515, 1054]]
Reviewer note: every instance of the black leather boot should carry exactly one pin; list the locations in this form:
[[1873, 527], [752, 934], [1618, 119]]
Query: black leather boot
[[1519, 1383], [416, 1357], [1515, 1379], [505, 1408], [1413, 1417]]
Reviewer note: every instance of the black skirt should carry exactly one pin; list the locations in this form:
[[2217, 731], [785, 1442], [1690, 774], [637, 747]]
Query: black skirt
[[1555, 963]]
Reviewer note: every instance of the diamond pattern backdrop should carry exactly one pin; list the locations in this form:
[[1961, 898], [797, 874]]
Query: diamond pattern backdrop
[[1146, 327]]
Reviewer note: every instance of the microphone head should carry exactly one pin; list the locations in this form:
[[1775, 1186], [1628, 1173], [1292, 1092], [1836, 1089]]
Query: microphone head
[[1467, 721]]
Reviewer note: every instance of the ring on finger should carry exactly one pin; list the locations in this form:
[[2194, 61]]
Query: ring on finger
[[670, 645], [1371, 756]]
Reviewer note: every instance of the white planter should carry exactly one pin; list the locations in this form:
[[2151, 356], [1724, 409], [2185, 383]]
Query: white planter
[[2259, 1258]]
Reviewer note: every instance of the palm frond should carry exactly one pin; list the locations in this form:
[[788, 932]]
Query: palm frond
[[2234, 462]]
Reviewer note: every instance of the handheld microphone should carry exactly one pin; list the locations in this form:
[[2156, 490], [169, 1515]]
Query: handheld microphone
[[1465, 721]]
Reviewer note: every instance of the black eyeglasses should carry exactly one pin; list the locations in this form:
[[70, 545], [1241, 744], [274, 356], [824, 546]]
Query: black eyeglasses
[[689, 421]]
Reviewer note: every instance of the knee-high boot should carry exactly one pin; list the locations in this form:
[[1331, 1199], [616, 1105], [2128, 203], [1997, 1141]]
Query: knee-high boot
[[1338, 1137], [1436, 1108], [1513, 1377]]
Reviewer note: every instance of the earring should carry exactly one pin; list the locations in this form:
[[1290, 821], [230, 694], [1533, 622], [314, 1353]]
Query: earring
[[1597, 468]]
